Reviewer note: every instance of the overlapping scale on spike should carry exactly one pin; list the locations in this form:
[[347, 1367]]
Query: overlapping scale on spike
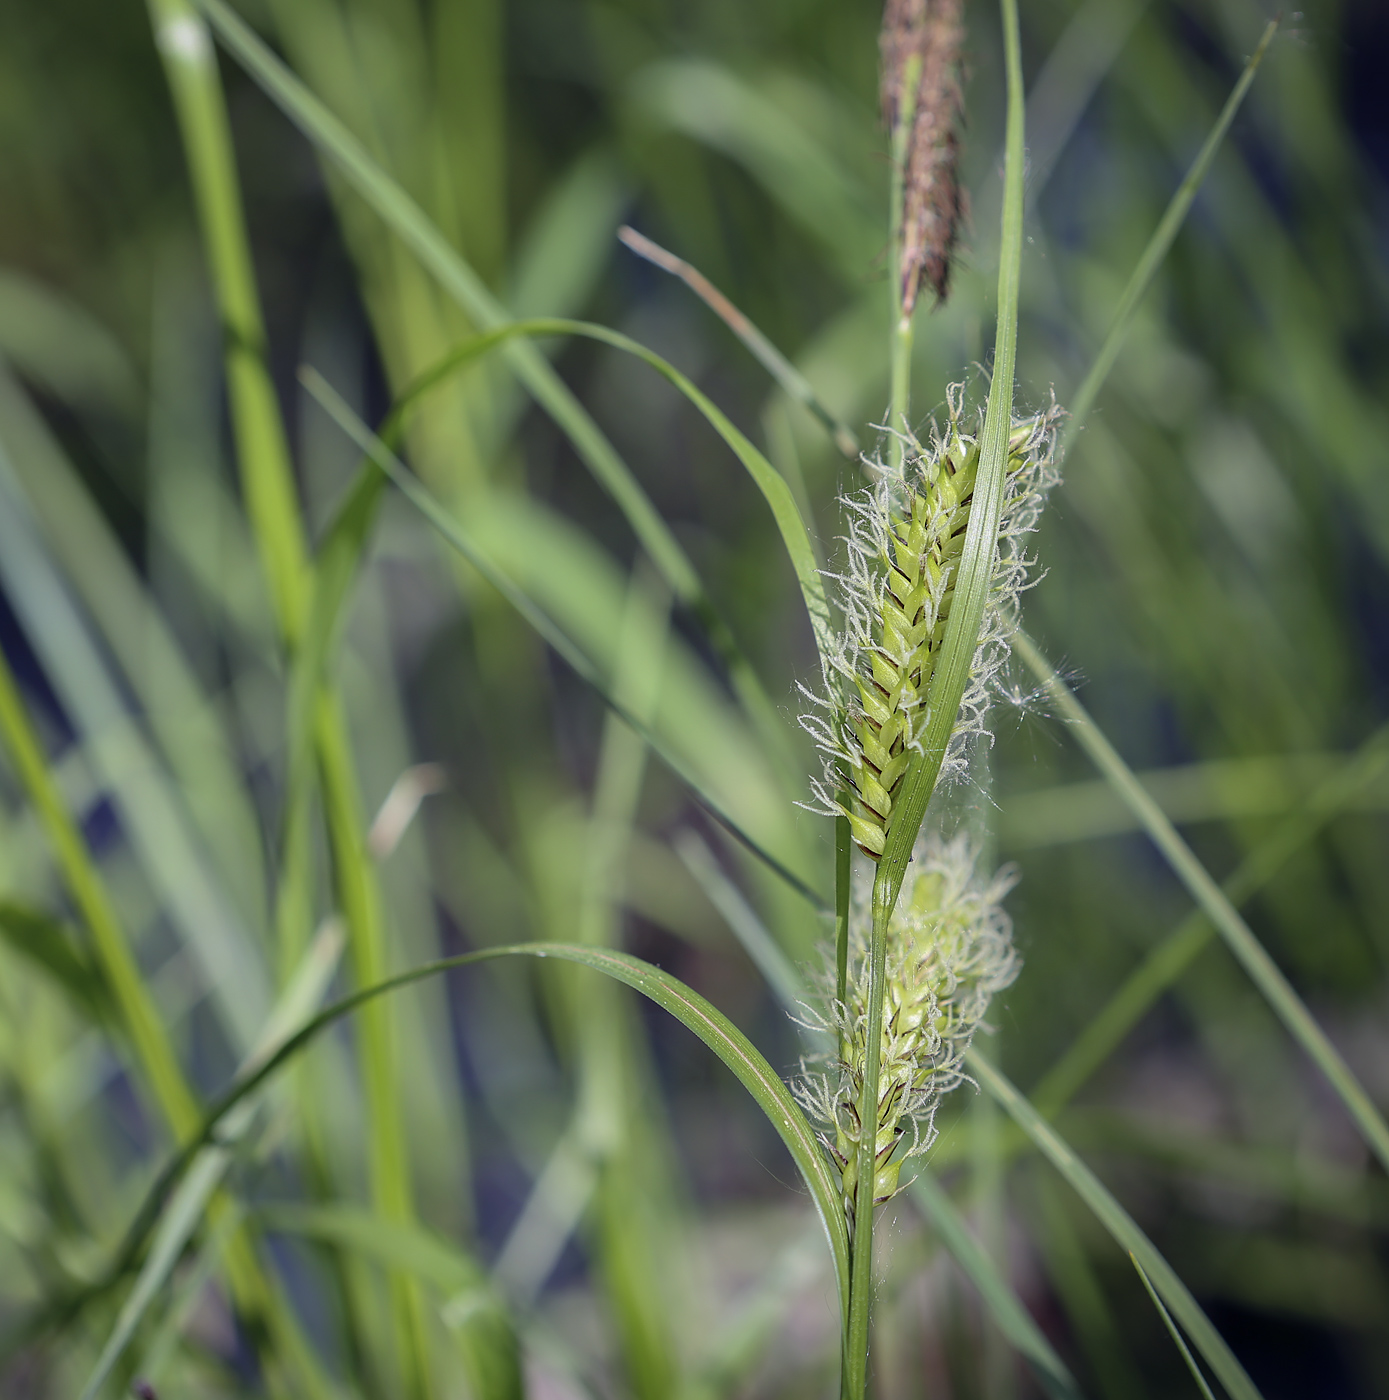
[[909, 543]]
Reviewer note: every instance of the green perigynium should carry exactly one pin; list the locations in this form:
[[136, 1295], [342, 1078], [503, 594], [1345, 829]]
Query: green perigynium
[[949, 951], [906, 534]]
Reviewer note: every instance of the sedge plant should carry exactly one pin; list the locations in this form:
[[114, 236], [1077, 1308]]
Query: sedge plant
[[354, 1171]]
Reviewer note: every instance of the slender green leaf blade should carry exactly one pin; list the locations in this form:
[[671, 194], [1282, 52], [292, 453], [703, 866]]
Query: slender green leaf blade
[[1117, 1221], [699, 1015], [1151, 258], [1003, 1303], [1172, 1329]]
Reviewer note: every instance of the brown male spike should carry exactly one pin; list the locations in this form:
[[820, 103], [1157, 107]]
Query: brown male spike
[[931, 32]]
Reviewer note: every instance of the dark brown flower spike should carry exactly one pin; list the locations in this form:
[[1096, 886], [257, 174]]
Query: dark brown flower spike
[[925, 37]]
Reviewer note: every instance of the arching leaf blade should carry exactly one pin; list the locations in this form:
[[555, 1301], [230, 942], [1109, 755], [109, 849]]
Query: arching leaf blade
[[696, 1013], [382, 459]]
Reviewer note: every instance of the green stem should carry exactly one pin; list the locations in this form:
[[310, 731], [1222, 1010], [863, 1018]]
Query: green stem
[[191, 68], [861, 1270], [843, 874]]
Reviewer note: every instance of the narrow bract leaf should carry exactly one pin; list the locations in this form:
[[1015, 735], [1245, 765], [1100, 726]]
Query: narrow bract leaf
[[1151, 258]]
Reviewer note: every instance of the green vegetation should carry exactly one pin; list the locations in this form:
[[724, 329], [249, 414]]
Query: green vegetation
[[411, 578]]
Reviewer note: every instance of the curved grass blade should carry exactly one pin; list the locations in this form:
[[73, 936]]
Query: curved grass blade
[[459, 281], [1172, 1329], [1013, 1319], [382, 459], [1120, 1225], [692, 1010], [1240, 939], [775, 491], [1083, 399], [793, 383]]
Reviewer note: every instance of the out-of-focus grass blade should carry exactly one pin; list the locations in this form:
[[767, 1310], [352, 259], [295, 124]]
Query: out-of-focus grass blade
[[1228, 789], [185, 1295], [777, 969], [792, 381], [149, 809], [550, 1216], [1262, 970], [178, 714], [119, 967], [580, 663], [185, 47], [475, 1315], [1073, 71], [1013, 1319], [633, 1217], [736, 1350], [58, 344], [1300, 1182], [46, 944], [188, 1205], [1121, 1227], [1089, 1310], [686, 1005], [565, 247], [710, 104], [459, 280], [1172, 1329], [1161, 968], [1158, 245]]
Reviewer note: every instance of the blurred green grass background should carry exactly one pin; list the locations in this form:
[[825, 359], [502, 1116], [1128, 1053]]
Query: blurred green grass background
[[1216, 575]]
